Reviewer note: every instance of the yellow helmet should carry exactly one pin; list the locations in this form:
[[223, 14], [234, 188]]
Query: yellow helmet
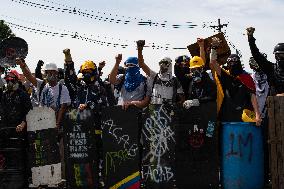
[[196, 62], [248, 116], [88, 65]]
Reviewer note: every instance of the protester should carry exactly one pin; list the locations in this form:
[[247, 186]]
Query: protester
[[166, 89], [274, 72], [181, 71], [51, 94], [201, 88], [235, 88], [89, 92], [16, 102], [261, 84], [134, 89]]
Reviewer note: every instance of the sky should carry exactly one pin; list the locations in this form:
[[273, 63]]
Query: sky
[[265, 15]]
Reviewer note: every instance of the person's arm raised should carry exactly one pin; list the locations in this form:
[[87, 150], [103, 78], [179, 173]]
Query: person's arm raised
[[113, 73], [26, 71], [145, 68]]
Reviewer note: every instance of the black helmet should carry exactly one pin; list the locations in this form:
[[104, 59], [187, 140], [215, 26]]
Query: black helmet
[[183, 58], [279, 48]]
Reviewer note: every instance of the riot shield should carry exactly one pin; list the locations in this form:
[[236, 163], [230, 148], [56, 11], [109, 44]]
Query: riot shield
[[158, 136], [43, 150], [80, 150], [197, 147], [121, 147]]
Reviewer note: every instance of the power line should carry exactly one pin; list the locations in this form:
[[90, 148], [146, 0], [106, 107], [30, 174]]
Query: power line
[[83, 37], [102, 16]]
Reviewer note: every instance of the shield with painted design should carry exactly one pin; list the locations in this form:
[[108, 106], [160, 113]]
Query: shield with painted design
[[12, 48], [43, 150]]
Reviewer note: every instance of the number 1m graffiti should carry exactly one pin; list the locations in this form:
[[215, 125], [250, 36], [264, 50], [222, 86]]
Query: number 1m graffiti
[[238, 144]]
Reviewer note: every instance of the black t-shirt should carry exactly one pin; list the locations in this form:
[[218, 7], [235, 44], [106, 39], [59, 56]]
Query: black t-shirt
[[237, 97], [14, 107], [204, 91]]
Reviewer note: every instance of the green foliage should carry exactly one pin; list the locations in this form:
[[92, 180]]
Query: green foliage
[[5, 31]]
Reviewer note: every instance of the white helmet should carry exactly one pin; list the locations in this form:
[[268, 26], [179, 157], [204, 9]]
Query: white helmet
[[50, 66]]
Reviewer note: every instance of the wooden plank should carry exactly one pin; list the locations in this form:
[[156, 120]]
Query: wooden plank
[[281, 145], [272, 142], [223, 50], [276, 136]]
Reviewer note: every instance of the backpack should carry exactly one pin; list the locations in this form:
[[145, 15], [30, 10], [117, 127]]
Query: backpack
[[59, 94], [175, 85]]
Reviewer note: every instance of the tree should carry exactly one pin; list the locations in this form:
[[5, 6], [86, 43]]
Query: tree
[[5, 31]]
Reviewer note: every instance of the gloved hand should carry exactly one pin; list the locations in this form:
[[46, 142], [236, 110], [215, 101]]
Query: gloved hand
[[190, 103], [67, 54]]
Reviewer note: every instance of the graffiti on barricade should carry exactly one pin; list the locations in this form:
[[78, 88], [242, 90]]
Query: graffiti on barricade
[[121, 137], [158, 173], [82, 173], [75, 114], [239, 144], [113, 159], [77, 143], [159, 140]]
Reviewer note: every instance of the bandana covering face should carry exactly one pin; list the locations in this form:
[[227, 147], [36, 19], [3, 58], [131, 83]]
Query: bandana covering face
[[166, 66], [133, 78]]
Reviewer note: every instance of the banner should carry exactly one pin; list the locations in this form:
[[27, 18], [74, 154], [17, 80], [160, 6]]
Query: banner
[[121, 133], [80, 151]]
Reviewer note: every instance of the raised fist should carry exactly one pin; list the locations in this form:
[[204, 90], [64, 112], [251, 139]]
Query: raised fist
[[102, 64], [118, 58], [67, 54], [66, 51], [140, 43], [250, 31]]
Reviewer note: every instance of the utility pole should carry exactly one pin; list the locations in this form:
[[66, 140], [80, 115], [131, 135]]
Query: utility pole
[[219, 27]]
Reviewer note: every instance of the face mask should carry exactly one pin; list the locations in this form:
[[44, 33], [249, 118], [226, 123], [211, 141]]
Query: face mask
[[164, 67], [51, 78], [235, 68], [197, 76], [280, 60], [88, 77], [12, 86]]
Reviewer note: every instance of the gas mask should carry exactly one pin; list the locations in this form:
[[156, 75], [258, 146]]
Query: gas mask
[[197, 75], [87, 77]]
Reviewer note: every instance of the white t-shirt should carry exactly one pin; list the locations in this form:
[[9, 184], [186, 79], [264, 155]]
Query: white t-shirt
[[49, 95], [163, 90]]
